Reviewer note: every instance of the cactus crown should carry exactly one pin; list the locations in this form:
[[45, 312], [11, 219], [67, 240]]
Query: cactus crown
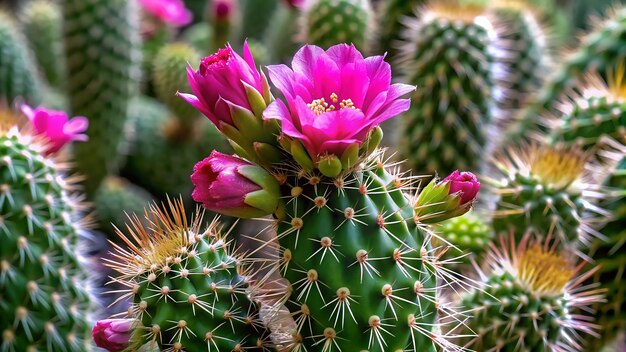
[[455, 11], [544, 271]]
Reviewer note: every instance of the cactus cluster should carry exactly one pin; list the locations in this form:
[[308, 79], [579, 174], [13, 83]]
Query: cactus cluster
[[44, 290]]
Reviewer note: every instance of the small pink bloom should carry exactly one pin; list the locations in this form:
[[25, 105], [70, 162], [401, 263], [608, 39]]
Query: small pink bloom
[[223, 9], [334, 97], [232, 186], [464, 183], [112, 334], [295, 3], [219, 83], [173, 12], [54, 126]]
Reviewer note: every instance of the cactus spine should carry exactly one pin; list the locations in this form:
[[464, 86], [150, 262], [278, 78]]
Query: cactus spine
[[184, 285], [42, 25], [18, 77], [330, 22], [527, 301], [361, 272], [43, 279], [446, 55], [101, 43]]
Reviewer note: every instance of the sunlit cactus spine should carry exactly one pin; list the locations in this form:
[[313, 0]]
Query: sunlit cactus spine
[[609, 255], [532, 299], [523, 53], [596, 117], [468, 237], [169, 77], [42, 24], [44, 289], [329, 22], [184, 285], [103, 61], [18, 75], [601, 50], [550, 192], [115, 198], [446, 55]]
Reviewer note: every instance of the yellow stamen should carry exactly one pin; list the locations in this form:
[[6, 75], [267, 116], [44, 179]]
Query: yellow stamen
[[320, 106], [556, 167], [544, 272]]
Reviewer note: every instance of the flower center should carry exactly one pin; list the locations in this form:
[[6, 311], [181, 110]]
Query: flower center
[[544, 272], [320, 106], [216, 61]]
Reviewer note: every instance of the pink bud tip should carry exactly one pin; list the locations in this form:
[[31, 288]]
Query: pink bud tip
[[465, 183], [112, 334]]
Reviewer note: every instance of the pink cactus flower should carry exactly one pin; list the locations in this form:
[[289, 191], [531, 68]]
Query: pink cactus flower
[[172, 12], [465, 183], [223, 9], [295, 3], [55, 126], [334, 97], [221, 82], [232, 186], [112, 334]]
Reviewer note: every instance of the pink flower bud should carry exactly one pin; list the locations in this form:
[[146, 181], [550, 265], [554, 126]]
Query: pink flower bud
[[295, 3], [172, 12], [55, 127], [232, 186], [221, 83], [465, 184], [223, 10], [112, 334]]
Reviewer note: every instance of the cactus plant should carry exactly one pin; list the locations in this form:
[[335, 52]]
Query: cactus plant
[[280, 39], [393, 13], [158, 143], [609, 256], [469, 235], [601, 50], [548, 191], [446, 55], [101, 45], [42, 24], [184, 286], [115, 198], [256, 17], [522, 51], [330, 22], [45, 294], [527, 301], [18, 77], [169, 77]]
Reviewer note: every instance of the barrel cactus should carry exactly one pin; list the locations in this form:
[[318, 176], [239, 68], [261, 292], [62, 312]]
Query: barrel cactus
[[184, 286], [446, 55], [468, 236], [44, 288]]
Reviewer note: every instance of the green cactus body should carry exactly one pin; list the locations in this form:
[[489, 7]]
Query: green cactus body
[[115, 198], [44, 293], [589, 119], [393, 13], [160, 162], [525, 304], [43, 28], [280, 38], [101, 43], [545, 191], [18, 78], [185, 289], [610, 257], [446, 55], [170, 76], [200, 37], [330, 22], [468, 233], [601, 50], [522, 53], [257, 16], [357, 263]]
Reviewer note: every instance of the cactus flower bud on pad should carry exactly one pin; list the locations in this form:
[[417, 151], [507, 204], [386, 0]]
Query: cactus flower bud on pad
[[233, 186], [451, 197], [112, 334]]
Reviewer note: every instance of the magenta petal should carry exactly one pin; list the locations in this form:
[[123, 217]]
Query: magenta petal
[[304, 60], [247, 55], [338, 147], [76, 125], [344, 54], [282, 78], [396, 108], [28, 111], [195, 102], [276, 110], [399, 89]]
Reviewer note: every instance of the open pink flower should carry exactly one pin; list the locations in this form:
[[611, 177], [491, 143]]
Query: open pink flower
[[334, 97], [55, 126], [465, 184], [112, 334], [232, 186], [173, 12], [220, 83]]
